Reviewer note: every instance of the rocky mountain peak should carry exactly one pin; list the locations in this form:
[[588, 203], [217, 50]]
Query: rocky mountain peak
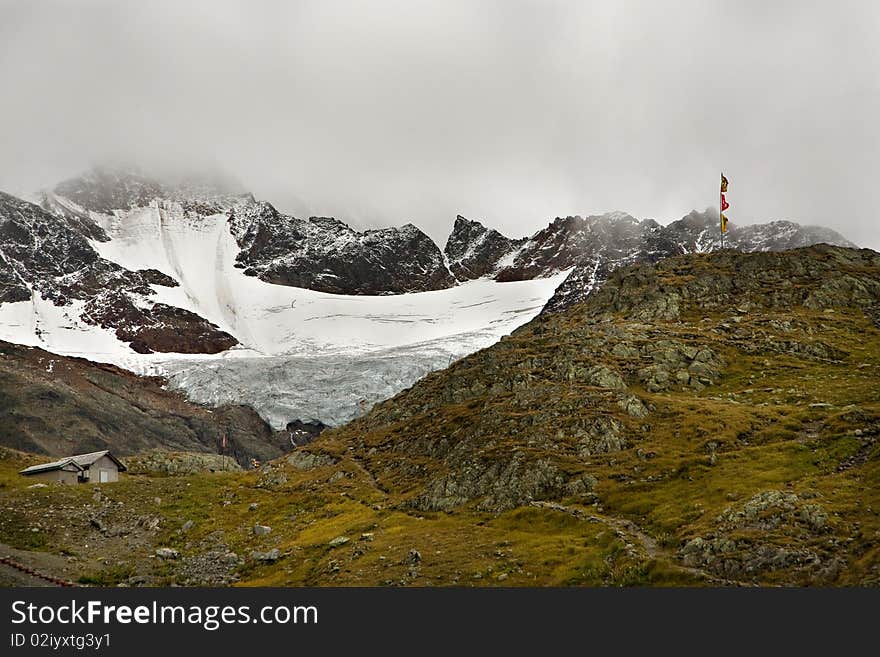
[[331, 224], [319, 253], [474, 251], [569, 241], [698, 220], [327, 255]]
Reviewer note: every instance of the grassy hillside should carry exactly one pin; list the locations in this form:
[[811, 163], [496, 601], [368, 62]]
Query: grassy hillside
[[712, 419]]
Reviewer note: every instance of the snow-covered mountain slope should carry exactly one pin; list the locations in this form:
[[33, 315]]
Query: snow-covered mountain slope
[[307, 355], [200, 254], [54, 277], [318, 253], [117, 263], [319, 357], [302, 354]]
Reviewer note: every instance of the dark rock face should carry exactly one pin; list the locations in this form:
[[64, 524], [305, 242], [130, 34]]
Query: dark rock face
[[161, 328], [46, 254], [474, 251], [324, 254], [302, 433], [156, 277], [12, 287], [569, 241], [80, 406]]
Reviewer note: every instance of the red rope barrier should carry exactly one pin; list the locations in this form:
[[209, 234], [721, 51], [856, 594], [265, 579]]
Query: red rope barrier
[[33, 573]]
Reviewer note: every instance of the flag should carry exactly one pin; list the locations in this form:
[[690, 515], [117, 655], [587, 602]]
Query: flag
[[223, 442], [723, 205]]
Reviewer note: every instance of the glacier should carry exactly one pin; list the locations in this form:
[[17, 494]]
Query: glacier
[[303, 355]]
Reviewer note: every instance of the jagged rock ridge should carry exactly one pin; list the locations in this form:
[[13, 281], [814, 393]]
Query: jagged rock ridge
[[474, 251], [325, 254], [594, 246]]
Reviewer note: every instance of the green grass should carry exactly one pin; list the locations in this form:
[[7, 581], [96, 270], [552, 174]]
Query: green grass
[[695, 456]]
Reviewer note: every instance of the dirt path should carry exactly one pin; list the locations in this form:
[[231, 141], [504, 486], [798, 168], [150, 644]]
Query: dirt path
[[369, 475], [627, 529]]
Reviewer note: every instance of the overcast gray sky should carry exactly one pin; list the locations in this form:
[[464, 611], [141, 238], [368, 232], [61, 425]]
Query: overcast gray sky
[[513, 112]]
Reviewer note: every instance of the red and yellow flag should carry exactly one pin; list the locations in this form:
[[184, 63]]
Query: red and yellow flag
[[724, 204]]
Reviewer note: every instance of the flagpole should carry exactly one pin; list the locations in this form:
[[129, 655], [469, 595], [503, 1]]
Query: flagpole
[[720, 213]]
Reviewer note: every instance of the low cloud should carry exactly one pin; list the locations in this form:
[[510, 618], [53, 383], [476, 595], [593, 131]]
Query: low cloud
[[513, 112]]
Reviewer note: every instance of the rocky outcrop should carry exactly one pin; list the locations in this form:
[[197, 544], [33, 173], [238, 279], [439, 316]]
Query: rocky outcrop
[[305, 460], [819, 277], [160, 327], [324, 254], [753, 539], [499, 484], [179, 463], [474, 251], [302, 433]]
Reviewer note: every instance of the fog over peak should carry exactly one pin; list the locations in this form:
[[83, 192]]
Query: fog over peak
[[509, 112]]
